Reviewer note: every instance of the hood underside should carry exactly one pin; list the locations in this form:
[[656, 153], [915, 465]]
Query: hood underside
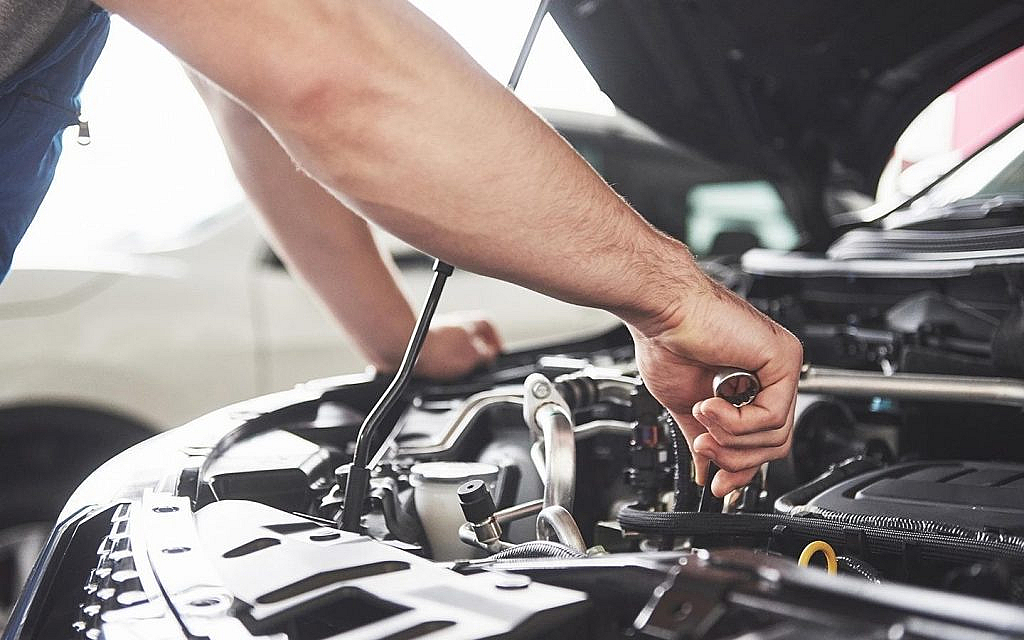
[[808, 95]]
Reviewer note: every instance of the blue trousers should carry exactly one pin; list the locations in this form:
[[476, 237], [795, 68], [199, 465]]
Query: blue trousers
[[36, 105]]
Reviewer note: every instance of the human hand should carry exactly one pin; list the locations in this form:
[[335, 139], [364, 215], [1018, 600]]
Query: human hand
[[709, 330], [457, 344]]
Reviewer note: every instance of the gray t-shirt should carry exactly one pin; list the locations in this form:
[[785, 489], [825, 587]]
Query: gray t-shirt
[[27, 27]]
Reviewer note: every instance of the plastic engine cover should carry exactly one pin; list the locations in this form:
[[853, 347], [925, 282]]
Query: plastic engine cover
[[978, 495]]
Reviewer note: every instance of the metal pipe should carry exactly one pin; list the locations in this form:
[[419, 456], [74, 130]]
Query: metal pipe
[[913, 386], [519, 511], [459, 427], [602, 427], [559, 456], [556, 523]]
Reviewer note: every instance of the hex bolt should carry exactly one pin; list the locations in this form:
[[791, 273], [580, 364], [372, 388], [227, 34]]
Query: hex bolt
[[541, 390]]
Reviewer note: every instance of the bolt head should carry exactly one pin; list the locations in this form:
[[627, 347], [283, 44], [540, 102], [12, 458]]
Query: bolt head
[[512, 581], [541, 390]]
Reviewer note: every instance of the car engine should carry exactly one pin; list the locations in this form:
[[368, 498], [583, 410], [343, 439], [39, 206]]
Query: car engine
[[552, 496]]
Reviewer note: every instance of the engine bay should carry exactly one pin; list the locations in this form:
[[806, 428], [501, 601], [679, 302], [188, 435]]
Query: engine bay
[[553, 496]]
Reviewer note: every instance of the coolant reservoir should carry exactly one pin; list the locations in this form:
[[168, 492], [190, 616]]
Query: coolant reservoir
[[437, 503]]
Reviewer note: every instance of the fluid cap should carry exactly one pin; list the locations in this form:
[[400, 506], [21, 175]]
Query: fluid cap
[[477, 503]]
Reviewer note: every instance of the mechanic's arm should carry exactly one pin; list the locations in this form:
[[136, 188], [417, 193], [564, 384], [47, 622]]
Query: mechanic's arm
[[381, 107], [333, 251]]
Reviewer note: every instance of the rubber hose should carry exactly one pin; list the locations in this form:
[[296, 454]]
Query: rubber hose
[[538, 549]]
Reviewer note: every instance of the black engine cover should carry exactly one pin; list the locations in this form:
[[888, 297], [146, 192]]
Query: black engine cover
[[978, 495]]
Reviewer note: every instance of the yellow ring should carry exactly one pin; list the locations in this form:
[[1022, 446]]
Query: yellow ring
[[830, 556]]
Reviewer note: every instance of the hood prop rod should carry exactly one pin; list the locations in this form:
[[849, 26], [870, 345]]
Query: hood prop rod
[[357, 485]]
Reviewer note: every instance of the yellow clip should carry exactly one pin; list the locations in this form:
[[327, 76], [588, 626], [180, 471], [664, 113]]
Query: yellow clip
[[824, 547]]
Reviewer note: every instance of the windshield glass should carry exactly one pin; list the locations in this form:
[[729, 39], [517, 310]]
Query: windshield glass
[[994, 177]]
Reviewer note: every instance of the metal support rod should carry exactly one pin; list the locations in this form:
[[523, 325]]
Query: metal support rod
[[358, 482], [913, 386], [531, 37]]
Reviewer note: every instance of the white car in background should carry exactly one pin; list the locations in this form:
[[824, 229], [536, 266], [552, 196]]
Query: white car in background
[[155, 338]]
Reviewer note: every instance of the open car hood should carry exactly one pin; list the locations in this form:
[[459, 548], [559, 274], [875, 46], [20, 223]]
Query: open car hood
[[808, 95]]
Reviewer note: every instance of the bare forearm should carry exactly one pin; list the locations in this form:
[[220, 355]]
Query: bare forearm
[[382, 108], [324, 243]]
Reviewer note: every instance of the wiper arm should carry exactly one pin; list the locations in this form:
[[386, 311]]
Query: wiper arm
[[973, 208], [981, 206]]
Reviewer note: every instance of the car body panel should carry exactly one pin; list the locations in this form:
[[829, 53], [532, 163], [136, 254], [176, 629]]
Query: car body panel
[[803, 94]]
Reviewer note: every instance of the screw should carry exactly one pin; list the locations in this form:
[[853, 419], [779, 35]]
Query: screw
[[541, 390]]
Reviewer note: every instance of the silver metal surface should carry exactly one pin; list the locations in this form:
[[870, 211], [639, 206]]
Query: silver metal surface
[[519, 511], [483, 537], [613, 388], [488, 531], [531, 37], [468, 536], [736, 386], [470, 410], [913, 386], [559, 456], [602, 427], [549, 419], [555, 523]]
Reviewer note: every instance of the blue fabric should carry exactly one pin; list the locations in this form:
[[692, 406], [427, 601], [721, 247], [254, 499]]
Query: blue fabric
[[36, 105]]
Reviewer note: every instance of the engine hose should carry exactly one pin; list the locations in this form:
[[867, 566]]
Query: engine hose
[[860, 568], [538, 549], [870, 539]]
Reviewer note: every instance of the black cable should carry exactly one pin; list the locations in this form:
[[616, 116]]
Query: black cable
[[860, 568], [684, 497], [358, 485]]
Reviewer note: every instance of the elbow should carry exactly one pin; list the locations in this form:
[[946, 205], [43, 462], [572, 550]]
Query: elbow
[[328, 119]]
